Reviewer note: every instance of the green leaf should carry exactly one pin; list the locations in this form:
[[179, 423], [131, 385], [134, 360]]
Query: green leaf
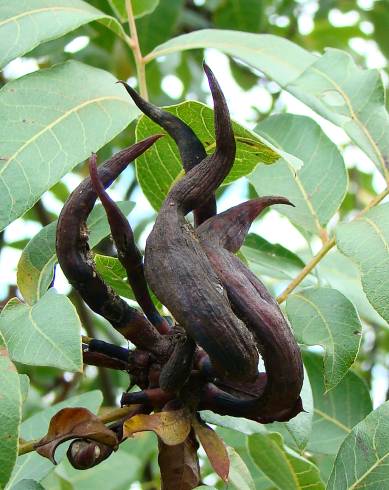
[[337, 89], [278, 58], [337, 411], [318, 188], [114, 274], [270, 259], [139, 8], [28, 485], [36, 265], [323, 316], [26, 24], [46, 334], [283, 466], [362, 460], [24, 381], [332, 85], [240, 424], [10, 413], [238, 441], [160, 166], [52, 120], [241, 15], [366, 241], [160, 25], [239, 475], [325, 463], [342, 273], [31, 465]]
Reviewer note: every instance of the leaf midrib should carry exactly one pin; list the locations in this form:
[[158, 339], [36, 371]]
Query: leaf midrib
[[356, 119]]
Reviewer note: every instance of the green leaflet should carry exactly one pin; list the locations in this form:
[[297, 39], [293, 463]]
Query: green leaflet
[[54, 119], [158, 168]]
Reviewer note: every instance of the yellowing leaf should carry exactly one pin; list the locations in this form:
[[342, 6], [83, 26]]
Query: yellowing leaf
[[171, 427]]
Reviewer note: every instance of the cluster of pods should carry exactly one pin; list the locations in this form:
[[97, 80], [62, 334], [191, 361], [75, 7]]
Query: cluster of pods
[[224, 317]]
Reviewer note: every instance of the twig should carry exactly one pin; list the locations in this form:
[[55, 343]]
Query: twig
[[66, 387], [306, 270], [135, 46], [324, 250]]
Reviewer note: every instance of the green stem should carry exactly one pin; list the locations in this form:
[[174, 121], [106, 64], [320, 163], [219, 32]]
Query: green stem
[[328, 245], [134, 45]]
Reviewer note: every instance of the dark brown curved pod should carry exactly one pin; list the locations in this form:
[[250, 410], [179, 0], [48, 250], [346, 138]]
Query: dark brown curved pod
[[222, 236], [128, 253], [192, 151], [178, 270], [77, 263]]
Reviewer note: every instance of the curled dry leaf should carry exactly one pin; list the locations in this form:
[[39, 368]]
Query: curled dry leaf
[[171, 427], [72, 423], [214, 447]]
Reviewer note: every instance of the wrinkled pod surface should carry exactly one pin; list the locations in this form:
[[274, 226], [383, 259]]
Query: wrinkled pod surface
[[277, 392], [178, 270], [278, 398]]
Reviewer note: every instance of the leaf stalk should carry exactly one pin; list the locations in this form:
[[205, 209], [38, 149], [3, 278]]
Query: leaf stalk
[[324, 250]]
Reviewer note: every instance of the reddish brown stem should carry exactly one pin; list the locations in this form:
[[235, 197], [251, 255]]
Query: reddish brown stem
[[154, 397]]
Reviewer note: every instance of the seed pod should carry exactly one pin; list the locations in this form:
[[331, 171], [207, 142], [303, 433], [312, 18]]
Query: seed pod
[[192, 151], [84, 454], [128, 253], [77, 263], [220, 237], [178, 270]]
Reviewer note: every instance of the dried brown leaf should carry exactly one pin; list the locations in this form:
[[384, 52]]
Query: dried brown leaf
[[214, 447], [72, 423]]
